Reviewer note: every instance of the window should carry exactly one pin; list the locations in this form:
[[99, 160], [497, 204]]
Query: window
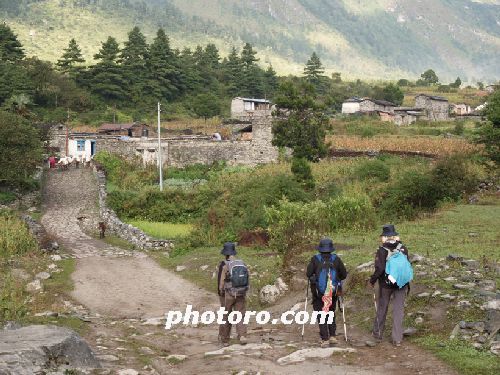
[[249, 106], [80, 145]]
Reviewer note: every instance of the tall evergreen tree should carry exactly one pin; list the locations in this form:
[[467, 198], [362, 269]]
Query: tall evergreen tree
[[248, 56], [162, 67], [11, 49], [133, 62], [251, 83], [107, 77], [314, 70], [270, 82], [71, 58], [232, 72]]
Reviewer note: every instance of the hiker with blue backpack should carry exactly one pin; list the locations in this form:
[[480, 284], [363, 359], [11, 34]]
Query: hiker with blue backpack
[[393, 272], [325, 272], [232, 286]]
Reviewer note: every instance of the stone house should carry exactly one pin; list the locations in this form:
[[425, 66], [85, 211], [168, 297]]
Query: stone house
[[128, 130], [246, 108], [351, 106], [366, 105], [437, 108], [81, 147], [407, 115], [372, 105], [461, 109]]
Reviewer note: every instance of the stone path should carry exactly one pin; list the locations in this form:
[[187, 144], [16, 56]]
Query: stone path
[[69, 195], [125, 295]]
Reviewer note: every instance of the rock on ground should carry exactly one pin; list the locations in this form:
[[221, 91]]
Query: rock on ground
[[303, 354], [33, 349]]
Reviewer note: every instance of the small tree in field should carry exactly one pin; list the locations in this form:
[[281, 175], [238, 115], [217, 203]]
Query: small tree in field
[[429, 77], [206, 106]]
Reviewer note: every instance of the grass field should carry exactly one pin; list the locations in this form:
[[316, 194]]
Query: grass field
[[163, 230]]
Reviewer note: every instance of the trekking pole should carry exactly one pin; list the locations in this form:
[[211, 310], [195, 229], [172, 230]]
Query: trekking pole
[[305, 308], [376, 314], [341, 301]]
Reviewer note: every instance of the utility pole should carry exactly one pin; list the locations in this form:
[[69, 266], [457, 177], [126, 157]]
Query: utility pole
[[159, 147], [67, 135]]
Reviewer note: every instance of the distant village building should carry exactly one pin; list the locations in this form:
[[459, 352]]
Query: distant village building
[[490, 89], [247, 109], [128, 130], [461, 109], [437, 108], [408, 115], [366, 105], [81, 148]]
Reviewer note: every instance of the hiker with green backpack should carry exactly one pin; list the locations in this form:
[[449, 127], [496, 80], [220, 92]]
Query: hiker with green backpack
[[232, 286], [325, 273], [393, 272]]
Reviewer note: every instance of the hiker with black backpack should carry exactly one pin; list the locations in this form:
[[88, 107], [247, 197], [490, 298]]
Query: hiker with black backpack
[[393, 272], [325, 272], [232, 286]]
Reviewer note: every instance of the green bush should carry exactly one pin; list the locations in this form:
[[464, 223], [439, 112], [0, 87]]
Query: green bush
[[302, 172], [410, 194], [374, 169], [7, 197], [459, 128], [453, 178], [240, 206], [352, 211], [15, 239]]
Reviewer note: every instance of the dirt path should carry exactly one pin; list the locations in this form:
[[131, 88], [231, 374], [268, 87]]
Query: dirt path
[[120, 289]]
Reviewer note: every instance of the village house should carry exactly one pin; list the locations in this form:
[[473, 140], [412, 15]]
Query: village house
[[408, 115], [437, 108], [461, 109], [128, 130], [246, 108], [367, 105]]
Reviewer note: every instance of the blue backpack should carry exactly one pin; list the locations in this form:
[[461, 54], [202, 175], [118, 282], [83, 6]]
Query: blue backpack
[[322, 277], [398, 270]]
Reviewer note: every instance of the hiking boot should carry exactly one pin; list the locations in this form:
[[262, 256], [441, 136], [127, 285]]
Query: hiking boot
[[224, 344], [376, 337], [332, 341], [397, 344], [243, 340], [324, 343]]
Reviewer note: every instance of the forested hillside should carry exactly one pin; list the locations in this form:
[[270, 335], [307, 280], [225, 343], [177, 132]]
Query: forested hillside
[[360, 38]]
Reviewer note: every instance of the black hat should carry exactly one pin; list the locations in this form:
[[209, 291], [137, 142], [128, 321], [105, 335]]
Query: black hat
[[229, 249], [389, 231], [325, 245]]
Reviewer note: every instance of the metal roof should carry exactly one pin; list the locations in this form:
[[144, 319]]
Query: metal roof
[[255, 100], [434, 97], [116, 127]]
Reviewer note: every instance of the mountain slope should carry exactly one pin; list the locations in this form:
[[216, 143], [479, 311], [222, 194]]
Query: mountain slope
[[360, 38]]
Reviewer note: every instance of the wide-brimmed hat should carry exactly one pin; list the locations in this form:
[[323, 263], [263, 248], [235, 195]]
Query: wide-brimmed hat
[[229, 248], [325, 245], [388, 230]]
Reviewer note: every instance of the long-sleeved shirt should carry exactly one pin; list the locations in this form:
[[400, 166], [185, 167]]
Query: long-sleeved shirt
[[380, 261]]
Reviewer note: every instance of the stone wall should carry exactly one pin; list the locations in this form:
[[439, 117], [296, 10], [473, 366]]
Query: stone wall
[[125, 231], [183, 151], [436, 110]]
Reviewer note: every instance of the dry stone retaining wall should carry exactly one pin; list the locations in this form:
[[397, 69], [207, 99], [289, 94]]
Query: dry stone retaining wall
[[123, 230]]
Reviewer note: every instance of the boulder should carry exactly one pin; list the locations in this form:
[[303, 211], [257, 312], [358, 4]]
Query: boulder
[[314, 353], [365, 266], [409, 331], [492, 305], [180, 268], [34, 286], [495, 347], [269, 294], [34, 349], [470, 263], [42, 276], [128, 371]]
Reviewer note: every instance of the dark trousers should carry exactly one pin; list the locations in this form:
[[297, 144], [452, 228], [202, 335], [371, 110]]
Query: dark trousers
[[230, 304], [325, 330], [398, 312]]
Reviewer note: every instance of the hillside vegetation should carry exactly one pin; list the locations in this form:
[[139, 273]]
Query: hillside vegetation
[[386, 38]]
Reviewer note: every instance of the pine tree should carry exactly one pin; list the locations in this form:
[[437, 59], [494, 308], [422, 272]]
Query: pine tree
[[71, 58], [133, 62], [162, 67], [232, 71], [248, 54], [107, 76], [314, 70], [270, 82], [252, 79], [11, 49]]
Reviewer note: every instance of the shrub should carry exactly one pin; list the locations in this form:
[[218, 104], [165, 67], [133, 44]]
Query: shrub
[[15, 239], [240, 207], [375, 169], [352, 211], [459, 128], [411, 193], [453, 177], [302, 172]]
